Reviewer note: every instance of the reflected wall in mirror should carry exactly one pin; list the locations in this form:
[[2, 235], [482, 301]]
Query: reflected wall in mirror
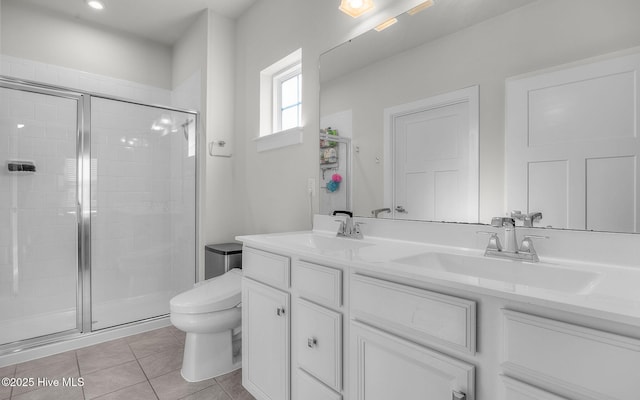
[[458, 44]]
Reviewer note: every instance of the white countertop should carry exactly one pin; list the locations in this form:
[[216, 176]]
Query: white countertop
[[614, 293]]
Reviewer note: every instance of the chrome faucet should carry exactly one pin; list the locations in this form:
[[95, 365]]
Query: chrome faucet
[[527, 219], [511, 250], [379, 210], [509, 225], [348, 228]]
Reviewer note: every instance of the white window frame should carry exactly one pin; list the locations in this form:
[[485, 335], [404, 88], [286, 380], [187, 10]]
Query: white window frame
[[270, 135], [280, 77]]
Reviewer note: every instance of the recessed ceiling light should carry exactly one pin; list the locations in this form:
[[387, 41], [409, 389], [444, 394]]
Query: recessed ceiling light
[[420, 7], [96, 4], [386, 24], [355, 8]]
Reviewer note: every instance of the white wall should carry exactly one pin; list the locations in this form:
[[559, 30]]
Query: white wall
[[207, 50], [43, 36], [270, 187], [544, 34], [221, 215]]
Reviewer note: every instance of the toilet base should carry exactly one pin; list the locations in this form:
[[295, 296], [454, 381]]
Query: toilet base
[[208, 355]]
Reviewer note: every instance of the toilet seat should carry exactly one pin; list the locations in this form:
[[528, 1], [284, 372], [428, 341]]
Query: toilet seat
[[216, 294]]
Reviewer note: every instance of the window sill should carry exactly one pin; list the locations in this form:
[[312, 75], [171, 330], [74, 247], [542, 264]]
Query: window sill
[[279, 139]]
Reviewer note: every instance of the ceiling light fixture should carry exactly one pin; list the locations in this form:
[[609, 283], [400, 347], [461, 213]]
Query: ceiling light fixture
[[386, 24], [355, 8], [95, 4], [420, 7]]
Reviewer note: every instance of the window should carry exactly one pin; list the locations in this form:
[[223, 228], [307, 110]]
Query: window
[[281, 103], [287, 99]]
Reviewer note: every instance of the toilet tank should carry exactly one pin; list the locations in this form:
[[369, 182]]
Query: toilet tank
[[220, 258]]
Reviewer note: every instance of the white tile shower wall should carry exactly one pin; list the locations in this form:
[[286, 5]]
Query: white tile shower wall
[[38, 241], [73, 79], [143, 215]]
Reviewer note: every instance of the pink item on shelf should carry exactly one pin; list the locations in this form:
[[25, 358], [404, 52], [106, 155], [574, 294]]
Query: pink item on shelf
[[336, 178]]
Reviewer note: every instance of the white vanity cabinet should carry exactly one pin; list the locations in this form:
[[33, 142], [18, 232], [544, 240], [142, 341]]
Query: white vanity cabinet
[[318, 330], [334, 324], [266, 321], [386, 362], [565, 358]]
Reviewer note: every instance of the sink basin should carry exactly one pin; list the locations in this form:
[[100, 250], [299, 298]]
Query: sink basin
[[538, 275], [322, 243]]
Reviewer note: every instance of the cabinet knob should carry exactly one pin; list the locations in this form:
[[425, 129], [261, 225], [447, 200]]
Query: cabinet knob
[[312, 342], [280, 311], [458, 395]]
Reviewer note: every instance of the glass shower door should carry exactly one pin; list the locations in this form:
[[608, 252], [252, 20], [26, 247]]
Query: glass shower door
[[38, 212], [143, 216]]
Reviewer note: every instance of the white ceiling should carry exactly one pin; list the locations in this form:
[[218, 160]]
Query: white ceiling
[[163, 21]]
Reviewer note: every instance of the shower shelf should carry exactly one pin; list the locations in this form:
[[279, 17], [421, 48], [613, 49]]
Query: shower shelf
[[21, 166]]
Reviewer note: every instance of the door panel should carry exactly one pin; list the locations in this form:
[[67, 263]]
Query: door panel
[[38, 213], [432, 164]]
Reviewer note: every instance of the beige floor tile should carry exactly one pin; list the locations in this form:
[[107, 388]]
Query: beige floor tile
[[6, 372], [52, 393], [156, 333], [162, 363], [154, 344], [40, 362], [112, 379], [180, 335], [214, 392], [67, 368], [140, 391], [232, 383], [104, 355], [244, 395], [172, 386]]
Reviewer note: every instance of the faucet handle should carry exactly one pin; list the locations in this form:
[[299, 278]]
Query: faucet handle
[[357, 233], [494, 241], [500, 222], [527, 246]]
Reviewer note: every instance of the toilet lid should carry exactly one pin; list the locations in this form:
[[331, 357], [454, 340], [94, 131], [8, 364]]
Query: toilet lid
[[220, 293]]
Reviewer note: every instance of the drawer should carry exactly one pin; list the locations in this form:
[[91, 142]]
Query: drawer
[[421, 315], [318, 342], [516, 390], [310, 389], [266, 267], [384, 366], [567, 358], [318, 283]]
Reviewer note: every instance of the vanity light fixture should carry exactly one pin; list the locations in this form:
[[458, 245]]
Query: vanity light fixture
[[95, 4], [386, 24], [420, 7], [355, 8]]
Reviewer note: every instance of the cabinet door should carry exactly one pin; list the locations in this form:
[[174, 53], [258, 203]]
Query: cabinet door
[[265, 341], [388, 367], [319, 342]]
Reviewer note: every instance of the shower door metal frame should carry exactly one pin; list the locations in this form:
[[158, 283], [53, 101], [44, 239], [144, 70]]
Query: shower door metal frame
[[83, 202]]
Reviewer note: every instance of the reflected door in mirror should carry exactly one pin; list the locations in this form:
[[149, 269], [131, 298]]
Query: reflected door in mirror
[[434, 159], [573, 143]]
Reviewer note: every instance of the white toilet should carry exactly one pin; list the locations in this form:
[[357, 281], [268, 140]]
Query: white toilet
[[209, 313]]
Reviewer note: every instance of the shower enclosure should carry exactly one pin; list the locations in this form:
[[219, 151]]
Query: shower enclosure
[[97, 211]]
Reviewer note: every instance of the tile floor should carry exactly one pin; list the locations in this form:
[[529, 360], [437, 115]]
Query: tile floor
[[139, 367]]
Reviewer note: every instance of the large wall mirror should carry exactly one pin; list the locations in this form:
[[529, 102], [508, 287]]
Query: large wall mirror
[[470, 109]]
